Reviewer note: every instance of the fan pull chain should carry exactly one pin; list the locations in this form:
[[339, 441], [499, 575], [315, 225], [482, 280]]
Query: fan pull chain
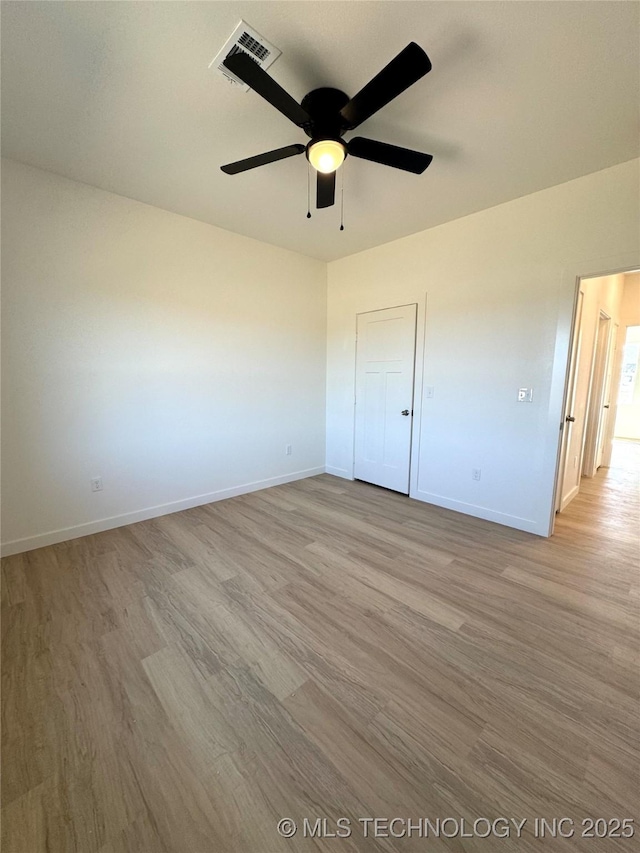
[[342, 200], [308, 190]]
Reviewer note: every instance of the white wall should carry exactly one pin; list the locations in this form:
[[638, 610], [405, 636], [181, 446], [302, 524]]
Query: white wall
[[628, 414], [177, 360], [173, 359], [499, 288]]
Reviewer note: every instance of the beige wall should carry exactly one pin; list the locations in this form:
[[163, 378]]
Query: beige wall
[[628, 414], [173, 359]]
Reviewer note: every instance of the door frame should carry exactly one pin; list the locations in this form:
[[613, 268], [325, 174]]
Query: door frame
[[572, 276], [414, 397]]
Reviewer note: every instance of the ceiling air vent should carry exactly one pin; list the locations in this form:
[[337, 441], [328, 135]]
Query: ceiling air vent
[[244, 38]]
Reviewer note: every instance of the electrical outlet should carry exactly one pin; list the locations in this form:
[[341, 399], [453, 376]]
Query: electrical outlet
[[429, 391], [96, 484], [525, 395], [476, 473], [289, 450]]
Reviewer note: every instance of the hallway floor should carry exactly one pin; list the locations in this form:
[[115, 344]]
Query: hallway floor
[[607, 505]]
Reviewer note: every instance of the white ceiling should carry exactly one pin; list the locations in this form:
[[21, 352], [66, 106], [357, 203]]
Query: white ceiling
[[522, 96]]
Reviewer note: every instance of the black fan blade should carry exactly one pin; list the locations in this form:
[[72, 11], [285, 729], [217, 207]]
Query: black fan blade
[[252, 74], [410, 65], [389, 155], [262, 159], [326, 189]]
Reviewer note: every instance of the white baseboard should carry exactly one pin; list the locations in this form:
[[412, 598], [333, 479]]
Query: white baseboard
[[339, 472], [52, 537], [526, 524], [564, 503]]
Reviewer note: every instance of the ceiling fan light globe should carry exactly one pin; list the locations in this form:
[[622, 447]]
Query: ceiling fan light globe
[[327, 155]]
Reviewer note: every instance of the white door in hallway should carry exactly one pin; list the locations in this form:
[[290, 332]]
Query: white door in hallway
[[572, 431], [597, 401], [385, 356], [605, 431]]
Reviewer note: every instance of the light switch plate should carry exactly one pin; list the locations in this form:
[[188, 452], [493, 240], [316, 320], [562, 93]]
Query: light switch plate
[[525, 395]]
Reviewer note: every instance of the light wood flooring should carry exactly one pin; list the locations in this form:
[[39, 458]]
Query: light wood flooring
[[323, 649]]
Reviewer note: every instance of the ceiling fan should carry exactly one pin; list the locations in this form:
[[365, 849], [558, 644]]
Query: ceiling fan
[[326, 114]]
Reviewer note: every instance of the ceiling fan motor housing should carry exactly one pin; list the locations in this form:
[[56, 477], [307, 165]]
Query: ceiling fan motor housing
[[323, 106]]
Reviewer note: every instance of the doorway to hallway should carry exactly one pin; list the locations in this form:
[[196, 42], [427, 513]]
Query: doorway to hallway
[[607, 306]]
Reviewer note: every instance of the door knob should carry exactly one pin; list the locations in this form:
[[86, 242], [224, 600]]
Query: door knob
[[570, 419], [405, 412]]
